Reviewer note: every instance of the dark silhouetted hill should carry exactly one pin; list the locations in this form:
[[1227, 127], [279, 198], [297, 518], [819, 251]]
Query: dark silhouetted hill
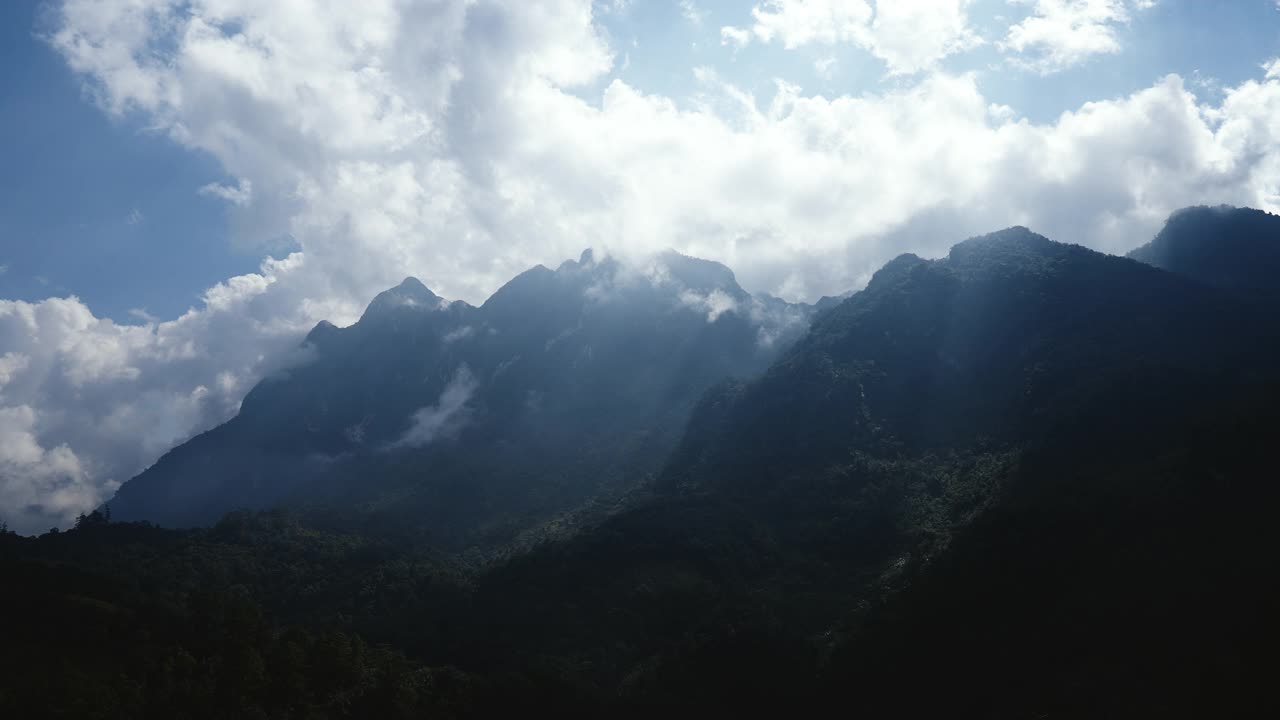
[[1233, 249]]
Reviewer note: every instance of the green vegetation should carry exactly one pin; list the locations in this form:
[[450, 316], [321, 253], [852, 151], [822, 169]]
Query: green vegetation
[[125, 620]]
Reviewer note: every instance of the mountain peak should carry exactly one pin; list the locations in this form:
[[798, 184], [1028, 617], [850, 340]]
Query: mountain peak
[[413, 285], [410, 293], [1013, 246], [321, 332], [586, 261], [890, 273], [1016, 237], [701, 275], [1232, 249]]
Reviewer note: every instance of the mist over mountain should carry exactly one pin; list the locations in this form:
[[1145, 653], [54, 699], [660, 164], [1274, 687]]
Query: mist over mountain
[[1029, 477], [565, 385]]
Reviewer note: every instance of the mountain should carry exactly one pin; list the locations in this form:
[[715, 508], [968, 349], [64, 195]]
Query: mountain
[[1009, 338], [1023, 480], [565, 385], [1233, 249], [978, 468]]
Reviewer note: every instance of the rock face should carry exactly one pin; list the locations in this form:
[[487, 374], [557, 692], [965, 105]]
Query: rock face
[[564, 385]]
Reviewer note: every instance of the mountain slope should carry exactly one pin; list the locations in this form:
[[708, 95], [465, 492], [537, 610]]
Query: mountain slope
[[1234, 249], [459, 419], [1118, 578], [1008, 338], [1025, 480], [955, 415]]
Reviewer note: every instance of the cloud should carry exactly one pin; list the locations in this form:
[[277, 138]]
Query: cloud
[[800, 22], [86, 403], [143, 315], [461, 333], [714, 303], [239, 194], [691, 12], [909, 35], [443, 418], [37, 481], [10, 364], [777, 321], [737, 37], [1060, 34], [390, 137], [825, 67], [135, 217]]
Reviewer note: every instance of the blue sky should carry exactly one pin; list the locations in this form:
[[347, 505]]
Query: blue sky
[[236, 171], [72, 180]]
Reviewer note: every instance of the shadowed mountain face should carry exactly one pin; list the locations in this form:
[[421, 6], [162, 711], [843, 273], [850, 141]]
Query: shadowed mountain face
[[1023, 480], [1010, 338], [564, 385], [1018, 404], [1233, 249]]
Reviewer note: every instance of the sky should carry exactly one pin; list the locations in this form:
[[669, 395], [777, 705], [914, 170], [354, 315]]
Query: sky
[[190, 185]]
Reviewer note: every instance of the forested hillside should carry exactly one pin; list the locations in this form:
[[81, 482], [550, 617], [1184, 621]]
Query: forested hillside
[[1023, 480]]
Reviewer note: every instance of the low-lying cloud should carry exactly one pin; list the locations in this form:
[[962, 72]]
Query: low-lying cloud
[[714, 303], [445, 417]]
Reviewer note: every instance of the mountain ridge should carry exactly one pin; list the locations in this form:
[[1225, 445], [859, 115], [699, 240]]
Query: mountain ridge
[[1232, 249], [818, 496], [1024, 479], [591, 350]]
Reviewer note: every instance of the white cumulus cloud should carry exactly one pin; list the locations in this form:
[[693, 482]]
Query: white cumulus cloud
[[86, 403], [909, 35], [36, 481], [1063, 33]]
